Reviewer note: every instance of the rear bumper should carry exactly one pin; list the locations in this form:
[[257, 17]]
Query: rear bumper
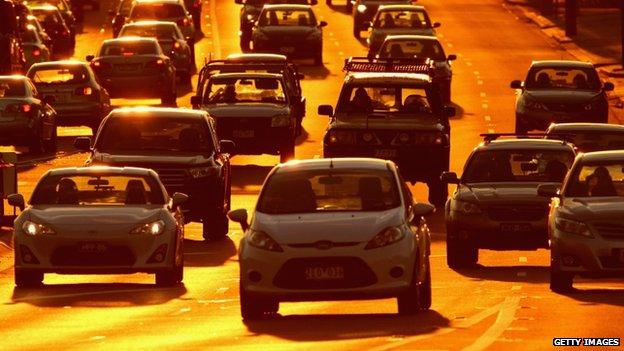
[[541, 120], [80, 112], [301, 49], [149, 85], [18, 132]]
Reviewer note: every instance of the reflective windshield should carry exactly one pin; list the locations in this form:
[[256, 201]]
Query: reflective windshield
[[132, 135], [12, 88], [232, 90], [48, 17], [402, 101], [564, 78], [59, 75], [489, 166], [100, 189], [413, 49], [402, 19], [157, 11], [60, 4], [159, 32], [290, 18], [329, 190], [129, 49], [597, 179]]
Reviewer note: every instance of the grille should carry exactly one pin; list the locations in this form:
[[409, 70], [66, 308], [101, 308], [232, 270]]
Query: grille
[[172, 177], [561, 107], [609, 230], [113, 256], [517, 213], [292, 275]]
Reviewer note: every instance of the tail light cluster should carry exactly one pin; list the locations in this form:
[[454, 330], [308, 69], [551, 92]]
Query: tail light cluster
[[36, 53], [160, 63], [85, 91], [18, 108], [100, 65], [183, 22]]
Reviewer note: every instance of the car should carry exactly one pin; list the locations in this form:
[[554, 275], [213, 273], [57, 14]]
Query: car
[[365, 10], [392, 110], [65, 10], [334, 229], [11, 52], [422, 47], [63, 43], [119, 15], [495, 205], [259, 63], [27, 119], [589, 137], [254, 111], [291, 30], [34, 48], [560, 91], [195, 9], [47, 41], [168, 11], [399, 20], [99, 220], [79, 99], [182, 146], [585, 222], [171, 41], [135, 67]]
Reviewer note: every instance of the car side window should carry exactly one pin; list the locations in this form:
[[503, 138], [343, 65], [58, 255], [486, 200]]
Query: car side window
[[408, 200]]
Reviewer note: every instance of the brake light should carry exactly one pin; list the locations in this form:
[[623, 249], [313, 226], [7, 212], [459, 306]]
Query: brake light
[[183, 22], [100, 64], [160, 63], [36, 52], [86, 91], [18, 108], [128, 54], [26, 108], [176, 45]]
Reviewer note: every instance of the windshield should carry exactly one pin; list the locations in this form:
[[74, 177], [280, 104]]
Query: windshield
[[596, 180], [329, 190], [49, 18], [402, 19], [98, 189], [60, 4], [232, 90], [129, 49], [12, 88], [159, 32], [402, 101], [593, 141], [287, 18], [133, 135], [413, 49], [157, 11], [489, 166], [563, 78], [59, 75]]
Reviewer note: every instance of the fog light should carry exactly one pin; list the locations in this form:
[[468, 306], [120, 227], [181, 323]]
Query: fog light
[[254, 276], [27, 255], [396, 272], [159, 254], [570, 260]]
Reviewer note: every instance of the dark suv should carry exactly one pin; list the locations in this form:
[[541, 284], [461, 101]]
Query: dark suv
[[392, 110], [181, 145], [11, 52]]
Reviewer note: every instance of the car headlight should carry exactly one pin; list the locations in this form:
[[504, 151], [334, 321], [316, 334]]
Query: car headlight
[[35, 229], [153, 228], [201, 172], [534, 105], [466, 207], [280, 121], [573, 227], [385, 237], [262, 240], [361, 8], [341, 137]]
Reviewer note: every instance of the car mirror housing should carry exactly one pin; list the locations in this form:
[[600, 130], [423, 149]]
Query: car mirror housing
[[325, 110], [17, 200], [608, 86], [239, 216], [422, 209], [178, 199], [322, 24], [89, 58], [449, 178], [437, 24], [452, 57], [227, 146], [82, 143], [450, 111], [516, 84], [548, 190]]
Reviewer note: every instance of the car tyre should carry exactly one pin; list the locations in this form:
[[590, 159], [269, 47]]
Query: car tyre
[[461, 253], [24, 279], [255, 308], [287, 152], [438, 192], [424, 289], [521, 128], [408, 302], [35, 146], [185, 76], [560, 282], [169, 98], [318, 58], [170, 277], [50, 145], [446, 93]]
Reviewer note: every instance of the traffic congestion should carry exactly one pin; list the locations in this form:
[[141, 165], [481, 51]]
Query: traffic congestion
[[303, 183]]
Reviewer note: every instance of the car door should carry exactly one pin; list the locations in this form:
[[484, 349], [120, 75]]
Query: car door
[[221, 159], [418, 227]]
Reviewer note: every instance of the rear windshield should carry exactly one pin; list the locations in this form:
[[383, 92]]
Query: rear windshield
[[131, 135], [328, 191], [50, 18], [402, 19], [396, 100], [59, 75], [287, 18], [564, 78], [100, 189], [232, 90], [594, 141], [412, 49], [130, 49], [156, 11], [159, 32], [12, 88]]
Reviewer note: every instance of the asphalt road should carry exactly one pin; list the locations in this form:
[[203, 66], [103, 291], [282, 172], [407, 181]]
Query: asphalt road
[[504, 304]]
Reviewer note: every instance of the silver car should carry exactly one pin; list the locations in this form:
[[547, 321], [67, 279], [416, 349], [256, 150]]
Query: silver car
[[399, 19], [99, 220], [586, 222]]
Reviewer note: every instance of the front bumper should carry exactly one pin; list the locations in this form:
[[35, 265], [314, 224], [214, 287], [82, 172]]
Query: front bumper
[[72, 113], [590, 257]]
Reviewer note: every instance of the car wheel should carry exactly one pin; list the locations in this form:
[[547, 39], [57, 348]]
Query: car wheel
[[36, 144], [424, 289], [255, 308], [27, 279], [287, 152], [461, 253], [50, 145], [356, 30], [185, 77], [521, 128], [408, 302], [560, 282], [169, 98], [170, 276], [438, 192], [446, 93]]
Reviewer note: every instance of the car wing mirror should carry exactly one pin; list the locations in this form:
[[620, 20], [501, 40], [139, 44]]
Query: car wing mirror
[[17, 200], [367, 24], [89, 58], [325, 110], [436, 25], [422, 209], [227, 147], [449, 178], [515, 84], [608, 86], [548, 190], [239, 216], [178, 199], [452, 57], [450, 111], [82, 143], [322, 24]]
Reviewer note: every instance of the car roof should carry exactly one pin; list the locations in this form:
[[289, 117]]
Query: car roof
[[127, 39], [99, 169], [336, 163], [60, 63], [45, 8], [586, 127], [402, 7], [287, 6], [142, 111], [15, 77], [256, 57], [561, 63], [388, 77], [603, 156], [247, 75], [525, 144], [151, 23], [412, 37]]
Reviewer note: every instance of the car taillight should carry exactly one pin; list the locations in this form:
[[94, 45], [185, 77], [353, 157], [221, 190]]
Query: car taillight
[[18, 108], [36, 52], [183, 22], [86, 91], [100, 64], [177, 45], [160, 63]]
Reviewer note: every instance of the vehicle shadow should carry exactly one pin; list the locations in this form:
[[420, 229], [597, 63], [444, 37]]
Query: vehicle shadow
[[199, 253], [599, 296], [459, 111], [302, 137], [96, 295], [313, 72], [520, 274], [243, 176], [343, 327]]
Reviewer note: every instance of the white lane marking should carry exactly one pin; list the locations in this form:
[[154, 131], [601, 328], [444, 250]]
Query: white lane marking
[[450, 45], [468, 63], [336, 43], [485, 106], [482, 94], [476, 73], [215, 28], [103, 292], [516, 287], [521, 274], [436, 256], [331, 34], [487, 118], [479, 82], [491, 130], [181, 311], [222, 290], [97, 337], [503, 321], [522, 259], [340, 53]]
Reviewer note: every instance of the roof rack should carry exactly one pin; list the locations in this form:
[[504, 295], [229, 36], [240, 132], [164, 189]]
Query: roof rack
[[564, 137], [389, 65]]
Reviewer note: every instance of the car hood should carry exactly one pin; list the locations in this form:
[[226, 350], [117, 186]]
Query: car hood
[[291, 32], [337, 227], [247, 110], [427, 123], [561, 96], [138, 160], [586, 209], [501, 193]]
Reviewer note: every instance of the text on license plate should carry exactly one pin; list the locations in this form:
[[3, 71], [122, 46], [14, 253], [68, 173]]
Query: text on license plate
[[243, 133], [515, 227], [385, 153], [92, 247], [324, 273]]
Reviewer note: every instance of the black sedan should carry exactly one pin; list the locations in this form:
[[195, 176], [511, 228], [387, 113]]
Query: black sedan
[[26, 119]]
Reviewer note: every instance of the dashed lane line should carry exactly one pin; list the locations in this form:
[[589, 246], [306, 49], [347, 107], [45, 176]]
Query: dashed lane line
[[506, 316]]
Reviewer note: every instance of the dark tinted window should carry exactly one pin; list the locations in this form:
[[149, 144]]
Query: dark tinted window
[[130, 48], [596, 180], [12, 88], [575, 78], [71, 74], [412, 49]]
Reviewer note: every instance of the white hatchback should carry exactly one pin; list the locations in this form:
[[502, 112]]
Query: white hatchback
[[334, 229]]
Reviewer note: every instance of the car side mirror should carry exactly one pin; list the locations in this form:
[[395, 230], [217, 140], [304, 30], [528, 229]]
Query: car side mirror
[[322, 24], [82, 143], [195, 100], [548, 190], [452, 57], [325, 110], [227, 146], [89, 58], [422, 209], [516, 84], [436, 24], [178, 199], [49, 99], [608, 86], [17, 200], [450, 111], [239, 216], [449, 178]]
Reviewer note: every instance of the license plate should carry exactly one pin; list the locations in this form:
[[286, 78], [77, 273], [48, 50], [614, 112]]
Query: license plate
[[324, 273], [516, 227], [385, 153], [128, 67], [243, 133], [287, 50], [92, 247]]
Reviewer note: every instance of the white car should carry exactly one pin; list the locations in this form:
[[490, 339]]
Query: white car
[[99, 220], [333, 229]]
